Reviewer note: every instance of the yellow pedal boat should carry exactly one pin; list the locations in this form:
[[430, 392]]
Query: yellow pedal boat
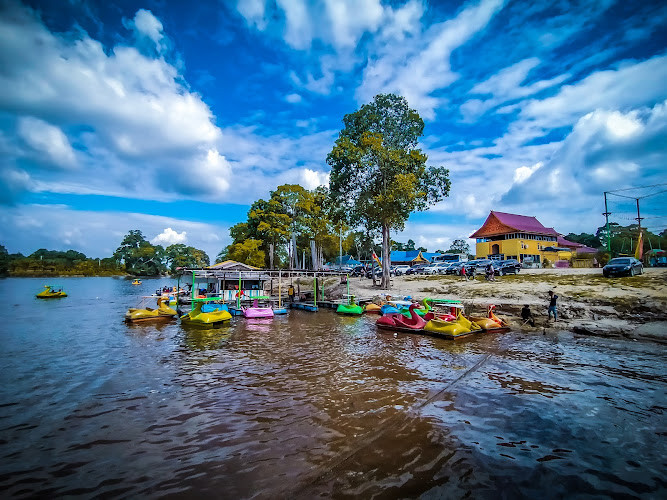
[[205, 319], [51, 292], [163, 312], [136, 282], [460, 327]]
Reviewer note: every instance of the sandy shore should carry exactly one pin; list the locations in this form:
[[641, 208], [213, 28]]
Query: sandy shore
[[588, 303]]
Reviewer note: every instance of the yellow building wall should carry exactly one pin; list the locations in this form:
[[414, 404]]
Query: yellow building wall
[[517, 247]]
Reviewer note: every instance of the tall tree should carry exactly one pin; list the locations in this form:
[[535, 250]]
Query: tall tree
[[378, 175], [459, 246], [140, 257]]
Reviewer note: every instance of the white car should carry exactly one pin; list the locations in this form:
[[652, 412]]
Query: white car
[[399, 270], [431, 269]]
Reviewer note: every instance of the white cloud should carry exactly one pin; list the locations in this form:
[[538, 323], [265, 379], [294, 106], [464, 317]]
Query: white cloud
[[146, 24], [293, 98], [169, 237], [506, 85], [312, 179], [416, 69], [48, 141], [254, 12], [25, 228]]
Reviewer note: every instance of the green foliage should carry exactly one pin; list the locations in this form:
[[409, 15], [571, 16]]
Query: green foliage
[[4, 261], [56, 263], [378, 176], [180, 255], [590, 240], [624, 239], [140, 257], [459, 246], [247, 252]]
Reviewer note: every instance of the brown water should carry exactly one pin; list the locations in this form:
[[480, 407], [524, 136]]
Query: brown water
[[315, 404]]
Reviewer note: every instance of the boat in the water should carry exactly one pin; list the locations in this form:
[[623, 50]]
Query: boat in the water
[[51, 292], [373, 308], [491, 322], [197, 317], [459, 327], [255, 311], [351, 308], [163, 312], [398, 321], [136, 282]]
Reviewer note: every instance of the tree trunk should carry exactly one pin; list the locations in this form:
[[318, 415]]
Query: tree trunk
[[386, 263]]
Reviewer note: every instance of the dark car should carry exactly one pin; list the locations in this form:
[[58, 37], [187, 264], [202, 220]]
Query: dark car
[[621, 266], [357, 271], [508, 266], [415, 269], [455, 268]]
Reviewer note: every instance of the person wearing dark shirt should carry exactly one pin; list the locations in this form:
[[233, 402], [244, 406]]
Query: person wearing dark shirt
[[527, 316], [553, 309]]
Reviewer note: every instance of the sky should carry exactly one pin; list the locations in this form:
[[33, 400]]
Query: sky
[[172, 117]]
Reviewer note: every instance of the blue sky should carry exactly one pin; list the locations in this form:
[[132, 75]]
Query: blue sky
[[173, 117]]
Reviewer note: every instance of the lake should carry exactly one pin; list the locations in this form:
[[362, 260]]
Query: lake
[[314, 404]]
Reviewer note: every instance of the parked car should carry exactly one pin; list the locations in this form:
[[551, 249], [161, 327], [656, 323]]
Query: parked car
[[440, 267], [622, 265], [401, 269], [429, 269], [508, 266], [455, 268], [415, 269], [357, 271]]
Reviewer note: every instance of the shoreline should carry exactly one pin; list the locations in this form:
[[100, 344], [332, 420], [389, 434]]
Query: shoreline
[[588, 304]]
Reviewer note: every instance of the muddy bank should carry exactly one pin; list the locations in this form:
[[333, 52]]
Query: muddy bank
[[631, 307]]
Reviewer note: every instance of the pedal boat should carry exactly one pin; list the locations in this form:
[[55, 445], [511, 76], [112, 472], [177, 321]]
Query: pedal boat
[[197, 317], [163, 312], [257, 312], [373, 308], [51, 292], [351, 307], [398, 321], [460, 327], [136, 282], [491, 323]]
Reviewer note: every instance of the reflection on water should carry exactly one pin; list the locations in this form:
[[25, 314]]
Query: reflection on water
[[314, 404]]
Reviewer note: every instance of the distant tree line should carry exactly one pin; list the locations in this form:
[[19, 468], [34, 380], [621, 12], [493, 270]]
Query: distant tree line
[[135, 256], [622, 240]]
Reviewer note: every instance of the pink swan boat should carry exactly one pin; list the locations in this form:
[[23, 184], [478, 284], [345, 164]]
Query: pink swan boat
[[257, 312]]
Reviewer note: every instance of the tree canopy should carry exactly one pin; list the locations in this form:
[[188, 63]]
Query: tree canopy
[[378, 175], [459, 246]]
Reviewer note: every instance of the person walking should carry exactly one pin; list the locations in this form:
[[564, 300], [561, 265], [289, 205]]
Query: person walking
[[553, 308], [290, 293], [464, 277]]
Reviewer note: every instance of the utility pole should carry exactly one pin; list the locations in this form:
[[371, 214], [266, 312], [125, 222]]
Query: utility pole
[[606, 214], [340, 248]]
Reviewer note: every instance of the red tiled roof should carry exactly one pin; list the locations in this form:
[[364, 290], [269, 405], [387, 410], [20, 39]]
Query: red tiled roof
[[511, 223], [524, 223], [579, 247]]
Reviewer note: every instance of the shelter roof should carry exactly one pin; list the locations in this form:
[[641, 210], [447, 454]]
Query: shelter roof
[[579, 247], [503, 223], [232, 265]]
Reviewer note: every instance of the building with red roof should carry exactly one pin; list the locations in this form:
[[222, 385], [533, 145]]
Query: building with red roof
[[521, 237]]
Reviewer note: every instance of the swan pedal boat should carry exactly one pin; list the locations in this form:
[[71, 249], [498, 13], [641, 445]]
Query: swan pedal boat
[[197, 317], [460, 327], [398, 321], [354, 309], [491, 323], [257, 312], [51, 292], [163, 312]]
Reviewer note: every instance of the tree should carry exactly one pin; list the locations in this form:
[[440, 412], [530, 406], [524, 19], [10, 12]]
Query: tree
[[180, 255], [590, 240], [378, 176], [247, 252], [140, 257], [459, 246], [4, 261]]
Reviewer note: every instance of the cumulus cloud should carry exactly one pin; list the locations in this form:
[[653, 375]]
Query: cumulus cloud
[[169, 237], [293, 98], [48, 141], [604, 151], [146, 25]]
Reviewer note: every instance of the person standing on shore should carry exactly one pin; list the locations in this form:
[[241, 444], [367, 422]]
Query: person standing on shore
[[552, 305]]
